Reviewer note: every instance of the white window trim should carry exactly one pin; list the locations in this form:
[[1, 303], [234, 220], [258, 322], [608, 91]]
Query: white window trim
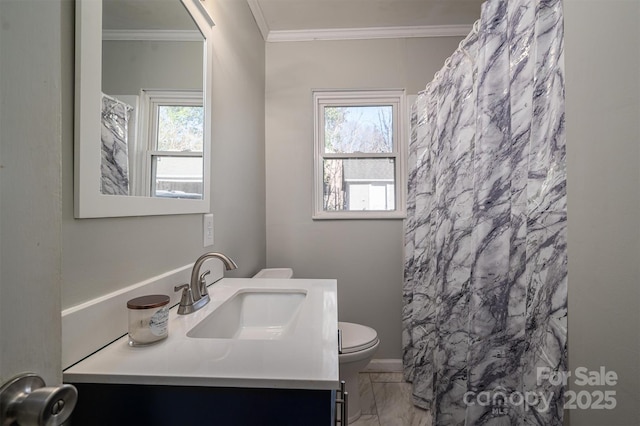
[[353, 98], [145, 148]]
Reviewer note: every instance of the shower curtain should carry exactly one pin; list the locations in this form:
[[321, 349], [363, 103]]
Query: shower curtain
[[485, 290], [114, 164]]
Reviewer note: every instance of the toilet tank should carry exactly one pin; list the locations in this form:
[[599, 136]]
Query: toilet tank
[[274, 273]]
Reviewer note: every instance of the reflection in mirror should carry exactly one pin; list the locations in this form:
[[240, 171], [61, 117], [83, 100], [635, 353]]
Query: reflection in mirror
[[152, 124], [151, 85]]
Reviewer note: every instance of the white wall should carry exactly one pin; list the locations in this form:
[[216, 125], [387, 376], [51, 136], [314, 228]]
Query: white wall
[[103, 255], [365, 256], [603, 147], [128, 66], [30, 189], [45, 253]]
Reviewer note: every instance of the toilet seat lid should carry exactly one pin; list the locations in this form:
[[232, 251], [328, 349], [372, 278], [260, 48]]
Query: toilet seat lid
[[356, 337]]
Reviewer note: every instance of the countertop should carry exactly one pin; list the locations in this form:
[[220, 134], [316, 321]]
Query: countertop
[[306, 359]]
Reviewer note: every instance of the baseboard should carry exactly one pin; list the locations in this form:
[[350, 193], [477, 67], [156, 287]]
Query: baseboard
[[384, 366]]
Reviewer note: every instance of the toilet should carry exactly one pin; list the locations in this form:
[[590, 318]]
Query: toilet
[[359, 344]]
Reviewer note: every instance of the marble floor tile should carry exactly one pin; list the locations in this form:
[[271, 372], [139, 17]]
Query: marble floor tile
[[387, 377], [393, 401], [366, 420], [385, 400], [367, 402]]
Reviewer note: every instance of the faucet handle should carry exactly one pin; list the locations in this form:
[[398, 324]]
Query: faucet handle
[[203, 284], [181, 287], [186, 301]]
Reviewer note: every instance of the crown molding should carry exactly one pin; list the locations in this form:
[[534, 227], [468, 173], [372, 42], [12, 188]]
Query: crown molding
[[353, 33], [258, 15], [152, 35], [370, 33], [205, 12]]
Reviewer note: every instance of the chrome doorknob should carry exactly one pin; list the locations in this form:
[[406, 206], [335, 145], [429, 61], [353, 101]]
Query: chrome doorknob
[[24, 400]]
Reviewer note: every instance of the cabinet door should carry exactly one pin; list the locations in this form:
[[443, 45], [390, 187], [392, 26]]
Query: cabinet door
[[192, 405]]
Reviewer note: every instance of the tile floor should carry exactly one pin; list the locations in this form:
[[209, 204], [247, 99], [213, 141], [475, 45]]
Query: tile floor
[[386, 401]]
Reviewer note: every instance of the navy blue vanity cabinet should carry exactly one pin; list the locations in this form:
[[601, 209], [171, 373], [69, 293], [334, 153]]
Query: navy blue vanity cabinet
[[102, 404]]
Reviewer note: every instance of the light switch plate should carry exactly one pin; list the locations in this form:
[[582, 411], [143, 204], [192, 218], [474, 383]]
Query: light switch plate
[[207, 229]]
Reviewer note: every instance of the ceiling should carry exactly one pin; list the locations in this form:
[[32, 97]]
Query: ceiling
[[281, 20], [296, 20], [164, 15]]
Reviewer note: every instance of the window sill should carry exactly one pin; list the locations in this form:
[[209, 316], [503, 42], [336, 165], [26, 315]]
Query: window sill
[[358, 215]]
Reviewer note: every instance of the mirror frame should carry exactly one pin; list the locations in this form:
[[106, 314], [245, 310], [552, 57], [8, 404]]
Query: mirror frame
[[89, 202]]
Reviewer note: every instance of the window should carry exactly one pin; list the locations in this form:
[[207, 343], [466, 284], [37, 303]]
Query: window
[[173, 160], [359, 155]]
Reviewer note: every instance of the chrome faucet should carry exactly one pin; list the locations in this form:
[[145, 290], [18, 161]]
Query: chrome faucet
[[195, 294]]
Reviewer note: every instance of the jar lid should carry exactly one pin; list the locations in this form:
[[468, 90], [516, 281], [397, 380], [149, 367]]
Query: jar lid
[[148, 302]]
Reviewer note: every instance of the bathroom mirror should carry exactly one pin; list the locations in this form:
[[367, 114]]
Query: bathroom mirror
[[142, 121]]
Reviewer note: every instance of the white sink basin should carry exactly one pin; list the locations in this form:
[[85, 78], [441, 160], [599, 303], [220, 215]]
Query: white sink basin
[[253, 314]]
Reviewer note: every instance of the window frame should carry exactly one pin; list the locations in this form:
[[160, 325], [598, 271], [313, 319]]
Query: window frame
[[148, 138], [355, 98]]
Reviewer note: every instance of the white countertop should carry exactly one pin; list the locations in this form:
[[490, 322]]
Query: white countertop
[[306, 359]]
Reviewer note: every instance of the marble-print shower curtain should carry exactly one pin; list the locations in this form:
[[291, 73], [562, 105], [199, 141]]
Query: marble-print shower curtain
[[485, 292], [114, 164]]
